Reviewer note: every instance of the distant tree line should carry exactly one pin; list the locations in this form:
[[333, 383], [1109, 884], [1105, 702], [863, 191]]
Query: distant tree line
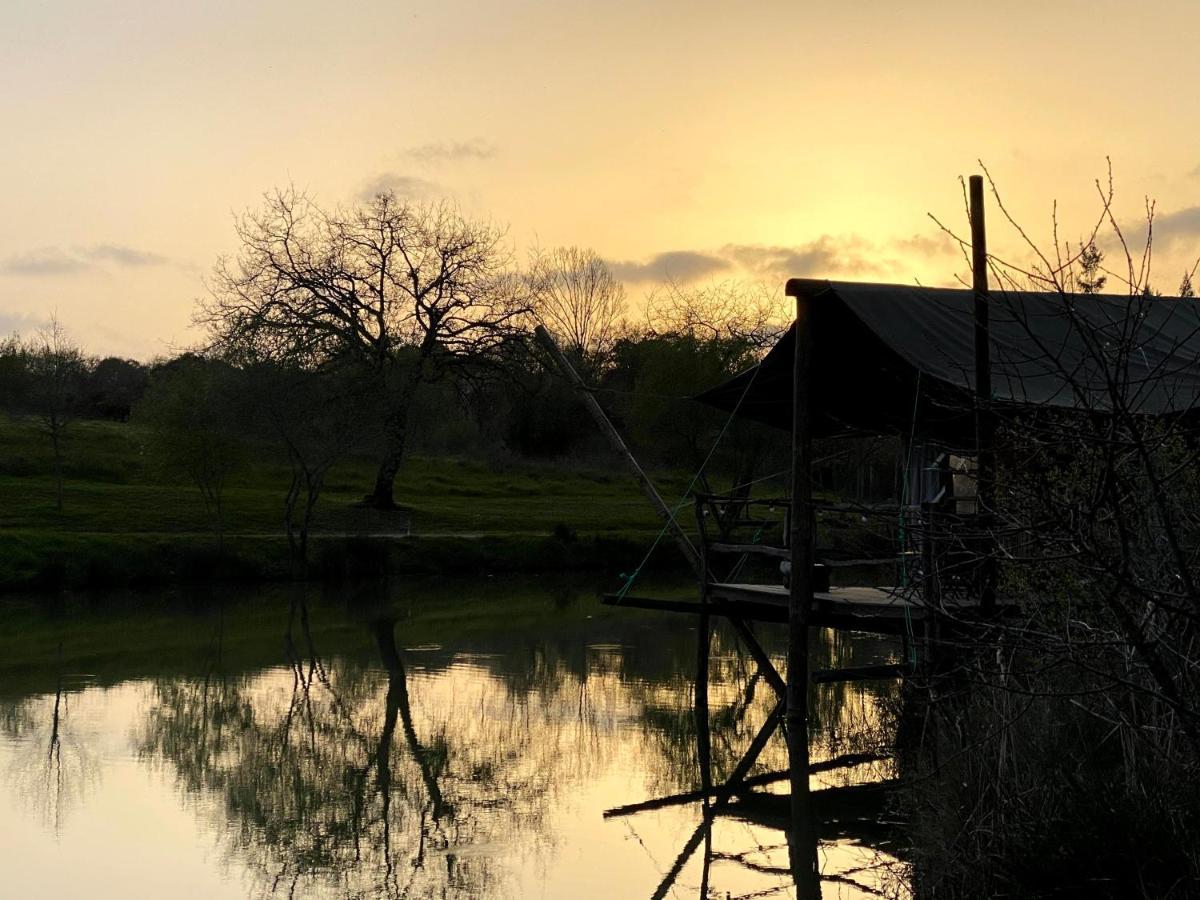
[[392, 327]]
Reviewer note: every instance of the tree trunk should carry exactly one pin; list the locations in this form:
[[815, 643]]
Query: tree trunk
[[58, 475], [383, 495]]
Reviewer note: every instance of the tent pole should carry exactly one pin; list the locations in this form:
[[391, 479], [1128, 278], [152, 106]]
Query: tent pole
[[802, 846], [985, 452]]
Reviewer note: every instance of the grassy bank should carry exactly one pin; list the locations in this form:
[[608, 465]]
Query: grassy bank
[[52, 561], [125, 522]]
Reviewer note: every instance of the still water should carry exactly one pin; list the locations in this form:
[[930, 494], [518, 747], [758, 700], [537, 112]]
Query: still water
[[446, 739]]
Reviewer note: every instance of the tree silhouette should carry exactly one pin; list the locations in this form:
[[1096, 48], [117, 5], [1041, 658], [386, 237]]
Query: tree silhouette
[[401, 289]]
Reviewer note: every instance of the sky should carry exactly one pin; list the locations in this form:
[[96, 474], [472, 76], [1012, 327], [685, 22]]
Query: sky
[[692, 140]]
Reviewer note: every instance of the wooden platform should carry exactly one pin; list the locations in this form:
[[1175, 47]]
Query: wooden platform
[[877, 610]]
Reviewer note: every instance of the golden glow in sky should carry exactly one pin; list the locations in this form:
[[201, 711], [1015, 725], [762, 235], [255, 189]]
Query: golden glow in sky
[[740, 140]]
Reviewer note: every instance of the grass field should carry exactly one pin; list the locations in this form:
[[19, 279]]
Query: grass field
[[124, 521]]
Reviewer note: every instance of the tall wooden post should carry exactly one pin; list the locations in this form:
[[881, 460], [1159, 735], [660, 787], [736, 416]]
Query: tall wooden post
[[985, 451], [803, 843]]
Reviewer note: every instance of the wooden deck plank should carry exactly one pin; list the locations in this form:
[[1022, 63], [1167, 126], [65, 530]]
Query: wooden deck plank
[[869, 609]]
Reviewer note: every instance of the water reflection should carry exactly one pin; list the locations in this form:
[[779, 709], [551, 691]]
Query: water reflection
[[50, 768], [465, 742], [326, 776]]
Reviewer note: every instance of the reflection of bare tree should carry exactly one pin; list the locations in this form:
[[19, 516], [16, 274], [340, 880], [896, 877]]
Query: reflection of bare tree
[[51, 769], [335, 777]]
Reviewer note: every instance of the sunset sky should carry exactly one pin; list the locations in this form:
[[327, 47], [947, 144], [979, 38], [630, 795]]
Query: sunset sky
[[686, 139]]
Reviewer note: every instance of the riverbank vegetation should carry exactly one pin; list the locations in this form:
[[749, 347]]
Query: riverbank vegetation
[[368, 399], [1059, 748]]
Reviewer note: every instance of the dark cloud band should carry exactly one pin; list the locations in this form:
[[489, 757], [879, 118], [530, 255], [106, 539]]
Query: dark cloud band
[[56, 261], [404, 187], [674, 265], [849, 255]]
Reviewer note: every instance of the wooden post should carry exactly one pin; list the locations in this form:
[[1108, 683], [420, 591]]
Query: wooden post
[[985, 452], [802, 847], [614, 437]]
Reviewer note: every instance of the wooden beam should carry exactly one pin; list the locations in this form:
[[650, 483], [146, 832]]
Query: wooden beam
[[855, 563], [752, 549], [614, 437]]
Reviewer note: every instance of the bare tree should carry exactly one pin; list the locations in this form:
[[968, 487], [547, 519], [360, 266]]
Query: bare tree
[[577, 298], [746, 312], [401, 289], [56, 368]]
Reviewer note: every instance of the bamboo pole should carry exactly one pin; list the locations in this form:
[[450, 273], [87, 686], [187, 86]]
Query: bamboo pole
[[985, 453], [802, 844], [614, 437]]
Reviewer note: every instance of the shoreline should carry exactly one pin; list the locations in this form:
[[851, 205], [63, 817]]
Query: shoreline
[[45, 562]]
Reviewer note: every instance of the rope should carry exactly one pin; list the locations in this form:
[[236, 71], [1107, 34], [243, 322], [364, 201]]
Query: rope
[[745, 484], [632, 577]]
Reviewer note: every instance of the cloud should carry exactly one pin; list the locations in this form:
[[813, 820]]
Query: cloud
[[48, 261], [674, 265], [55, 261], [451, 151], [405, 187], [926, 246], [19, 323], [124, 256], [1174, 231], [827, 255], [1179, 226], [837, 255]]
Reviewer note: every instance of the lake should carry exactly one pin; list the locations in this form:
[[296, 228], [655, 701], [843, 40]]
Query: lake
[[437, 738]]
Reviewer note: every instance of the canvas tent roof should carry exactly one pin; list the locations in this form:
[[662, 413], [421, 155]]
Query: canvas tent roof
[[900, 359]]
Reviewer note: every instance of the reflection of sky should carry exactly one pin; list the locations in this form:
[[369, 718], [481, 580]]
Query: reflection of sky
[[576, 747]]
